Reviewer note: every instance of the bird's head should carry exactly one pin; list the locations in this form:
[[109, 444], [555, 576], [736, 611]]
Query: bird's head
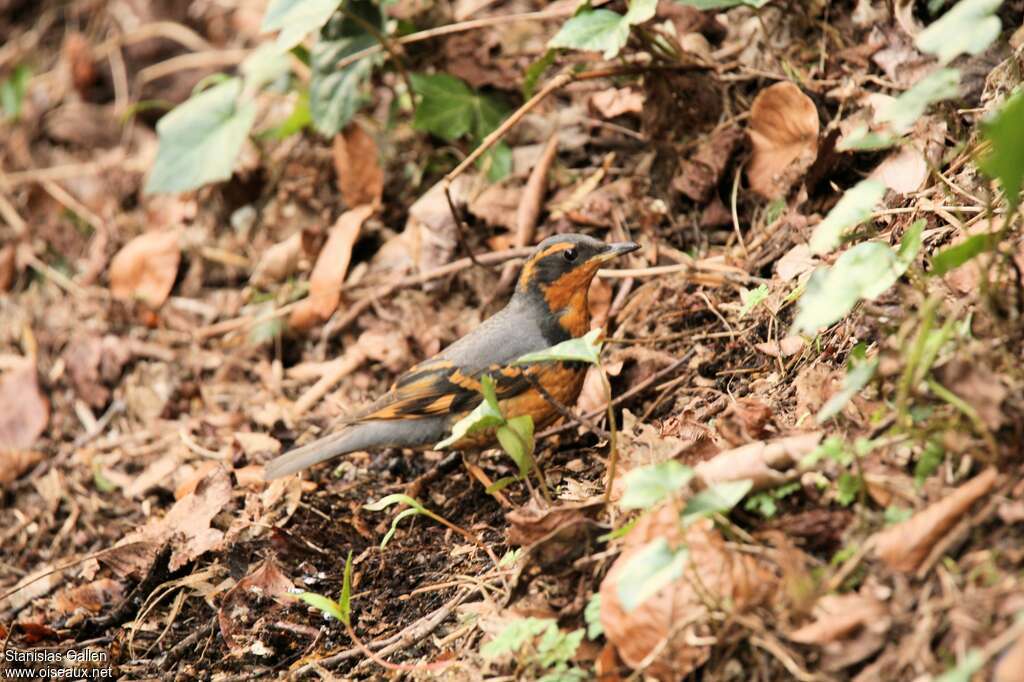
[[559, 272]]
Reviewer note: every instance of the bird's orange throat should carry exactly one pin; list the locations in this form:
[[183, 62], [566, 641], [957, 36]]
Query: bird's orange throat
[[566, 297]]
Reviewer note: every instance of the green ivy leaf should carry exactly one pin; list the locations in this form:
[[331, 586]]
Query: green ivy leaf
[[200, 139], [601, 30], [515, 635], [516, 438], [853, 208], [1006, 160], [486, 415], [649, 485], [585, 348], [969, 27], [592, 617], [863, 272], [848, 487], [718, 499], [296, 19], [928, 462], [649, 570], [902, 112], [335, 94], [953, 257], [265, 65], [556, 648]]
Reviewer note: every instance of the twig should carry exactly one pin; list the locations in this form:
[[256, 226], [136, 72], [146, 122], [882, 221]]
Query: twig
[[341, 367], [192, 60]]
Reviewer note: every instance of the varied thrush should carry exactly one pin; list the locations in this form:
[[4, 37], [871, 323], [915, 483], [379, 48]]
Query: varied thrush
[[549, 306]]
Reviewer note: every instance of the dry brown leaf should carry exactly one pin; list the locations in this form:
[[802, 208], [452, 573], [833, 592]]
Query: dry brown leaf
[[617, 101], [662, 631], [38, 583], [329, 272], [783, 348], [784, 133], [849, 628], [186, 526], [795, 262], [254, 443], [745, 420], [904, 171], [145, 268], [768, 464], [239, 622], [94, 364], [531, 523], [641, 444], [1010, 667], [815, 384], [700, 174], [904, 546], [157, 473], [357, 162], [92, 597], [24, 410], [278, 262], [7, 267], [980, 388], [13, 463]]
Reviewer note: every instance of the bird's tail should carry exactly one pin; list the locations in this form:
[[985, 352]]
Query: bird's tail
[[359, 436]]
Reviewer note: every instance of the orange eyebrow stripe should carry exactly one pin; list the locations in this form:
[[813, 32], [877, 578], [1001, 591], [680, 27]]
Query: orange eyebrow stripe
[[554, 248]]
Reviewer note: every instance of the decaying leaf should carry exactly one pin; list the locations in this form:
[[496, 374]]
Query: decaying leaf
[[145, 268], [24, 410], [784, 134], [660, 634], [94, 364], [531, 523], [278, 262], [92, 597], [14, 463], [7, 267], [849, 628], [186, 526], [357, 162], [614, 102], [329, 272], [700, 174], [904, 546], [239, 623], [904, 171], [767, 463]]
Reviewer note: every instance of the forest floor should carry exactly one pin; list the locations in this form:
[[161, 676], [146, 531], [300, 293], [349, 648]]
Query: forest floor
[[156, 350]]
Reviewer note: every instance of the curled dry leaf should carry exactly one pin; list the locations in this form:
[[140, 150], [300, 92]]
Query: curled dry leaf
[[641, 444], [24, 410], [662, 632], [330, 270], [92, 597], [767, 463], [239, 618], [357, 162], [700, 174], [904, 546], [278, 262], [7, 267], [849, 627], [186, 527], [783, 348], [745, 420], [784, 134], [145, 268], [531, 523]]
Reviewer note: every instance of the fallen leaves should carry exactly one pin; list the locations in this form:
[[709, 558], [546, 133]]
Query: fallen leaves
[[146, 267], [241, 623], [329, 272], [665, 634], [848, 627], [784, 134], [14, 463], [767, 464], [906, 545], [24, 409], [357, 162]]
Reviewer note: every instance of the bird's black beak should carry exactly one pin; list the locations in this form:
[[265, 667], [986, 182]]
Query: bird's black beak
[[615, 250]]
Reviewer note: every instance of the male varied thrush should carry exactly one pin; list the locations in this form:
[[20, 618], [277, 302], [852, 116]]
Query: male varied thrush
[[549, 306]]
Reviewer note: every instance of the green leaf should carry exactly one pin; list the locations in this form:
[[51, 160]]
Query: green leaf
[[856, 378], [649, 485], [450, 109], [969, 27], [394, 525], [860, 139], [953, 257], [486, 415], [649, 570], [596, 30], [928, 462], [200, 139], [853, 208], [500, 484], [323, 604], [761, 503], [345, 600], [296, 19], [1006, 160], [296, 121], [556, 648], [585, 348], [264, 65], [864, 272], [515, 635], [497, 162], [848, 487], [592, 617], [894, 515], [396, 498], [335, 94], [12, 91], [902, 112], [640, 11], [516, 438], [534, 71], [833, 448], [752, 298], [718, 499]]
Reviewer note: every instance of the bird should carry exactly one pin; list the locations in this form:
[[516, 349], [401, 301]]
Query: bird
[[548, 306]]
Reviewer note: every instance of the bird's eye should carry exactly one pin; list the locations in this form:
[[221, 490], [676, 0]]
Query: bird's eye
[[570, 255]]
